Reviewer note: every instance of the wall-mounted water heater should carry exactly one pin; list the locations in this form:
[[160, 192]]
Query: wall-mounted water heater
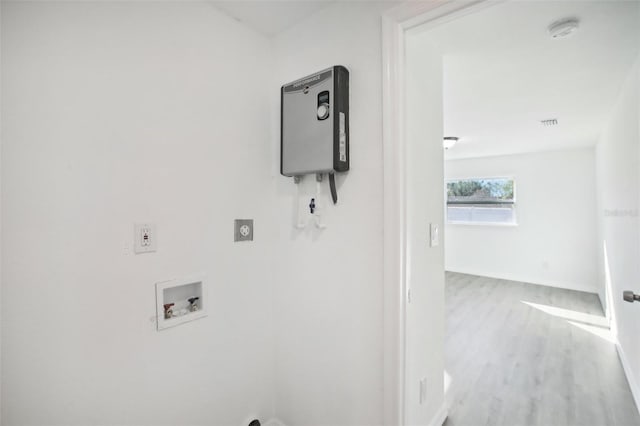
[[315, 126]]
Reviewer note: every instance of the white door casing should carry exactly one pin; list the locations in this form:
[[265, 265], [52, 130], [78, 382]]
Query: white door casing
[[407, 213]]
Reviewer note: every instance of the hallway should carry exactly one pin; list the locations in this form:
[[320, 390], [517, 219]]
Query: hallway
[[523, 354]]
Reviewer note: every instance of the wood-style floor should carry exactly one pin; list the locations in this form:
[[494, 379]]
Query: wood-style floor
[[545, 362]]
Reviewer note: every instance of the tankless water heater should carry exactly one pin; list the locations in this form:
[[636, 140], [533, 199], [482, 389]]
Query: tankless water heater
[[315, 124]]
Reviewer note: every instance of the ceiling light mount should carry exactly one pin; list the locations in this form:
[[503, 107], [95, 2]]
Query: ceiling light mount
[[563, 28], [449, 141]]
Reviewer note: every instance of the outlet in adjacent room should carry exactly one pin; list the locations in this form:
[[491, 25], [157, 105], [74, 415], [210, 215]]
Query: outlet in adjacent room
[[243, 230], [145, 238]]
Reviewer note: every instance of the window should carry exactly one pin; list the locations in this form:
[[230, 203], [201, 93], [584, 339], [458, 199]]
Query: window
[[489, 201]]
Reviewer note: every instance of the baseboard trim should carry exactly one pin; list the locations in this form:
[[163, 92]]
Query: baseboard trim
[[511, 277], [440, 417], [635, 391], [274, 422]]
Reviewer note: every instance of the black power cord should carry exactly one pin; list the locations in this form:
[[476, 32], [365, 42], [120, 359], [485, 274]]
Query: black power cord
[[332, 186]]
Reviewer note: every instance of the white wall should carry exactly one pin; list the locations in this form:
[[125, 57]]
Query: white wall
[[115, 112], [554, 242], [329, 316], [618, 175], [329, 283]]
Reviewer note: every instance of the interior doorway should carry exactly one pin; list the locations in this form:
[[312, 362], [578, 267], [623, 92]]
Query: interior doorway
[[524, 296]]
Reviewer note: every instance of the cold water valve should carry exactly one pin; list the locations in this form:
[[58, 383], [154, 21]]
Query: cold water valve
[[193, 304]]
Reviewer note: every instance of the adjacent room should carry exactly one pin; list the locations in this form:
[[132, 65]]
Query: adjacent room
[[536, 101]]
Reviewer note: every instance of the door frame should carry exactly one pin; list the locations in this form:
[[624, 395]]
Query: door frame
[[396, 23]]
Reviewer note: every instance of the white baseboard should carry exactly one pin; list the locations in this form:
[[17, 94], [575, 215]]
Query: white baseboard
[[635, 390], [524, 279], [440, 417]]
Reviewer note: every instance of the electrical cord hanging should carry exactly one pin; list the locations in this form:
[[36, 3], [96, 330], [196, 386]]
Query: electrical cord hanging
[[332, 186]]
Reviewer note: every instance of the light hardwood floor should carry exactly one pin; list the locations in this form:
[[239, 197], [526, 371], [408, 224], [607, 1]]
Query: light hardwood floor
[[513, 363]]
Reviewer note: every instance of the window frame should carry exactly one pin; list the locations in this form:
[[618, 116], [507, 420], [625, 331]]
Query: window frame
[[486, 203]]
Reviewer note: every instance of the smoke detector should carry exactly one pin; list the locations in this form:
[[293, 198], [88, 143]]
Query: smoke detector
[[563, 28], [449, 141], [549, 122]]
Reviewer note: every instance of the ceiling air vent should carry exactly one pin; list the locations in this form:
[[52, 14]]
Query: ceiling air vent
[[550, 122]]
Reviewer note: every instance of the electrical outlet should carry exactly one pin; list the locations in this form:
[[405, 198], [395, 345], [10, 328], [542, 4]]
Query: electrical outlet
[[243, 230], [145, 238]]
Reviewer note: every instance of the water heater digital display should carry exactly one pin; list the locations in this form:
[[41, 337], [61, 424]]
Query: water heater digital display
[[315, 124]]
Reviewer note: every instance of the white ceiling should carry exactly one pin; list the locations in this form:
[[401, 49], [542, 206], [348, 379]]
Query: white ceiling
[[270, 17], [503, 74]]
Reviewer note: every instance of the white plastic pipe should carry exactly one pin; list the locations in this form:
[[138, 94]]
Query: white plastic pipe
[[300, 222]]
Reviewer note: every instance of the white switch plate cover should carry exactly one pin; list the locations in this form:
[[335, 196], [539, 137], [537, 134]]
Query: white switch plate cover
[[423, 390], [145, 238], [434, 232]]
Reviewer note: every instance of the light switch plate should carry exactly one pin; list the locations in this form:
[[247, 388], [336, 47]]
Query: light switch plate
[[423, 390], [243, 230], [145, 238], [434, 232]]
